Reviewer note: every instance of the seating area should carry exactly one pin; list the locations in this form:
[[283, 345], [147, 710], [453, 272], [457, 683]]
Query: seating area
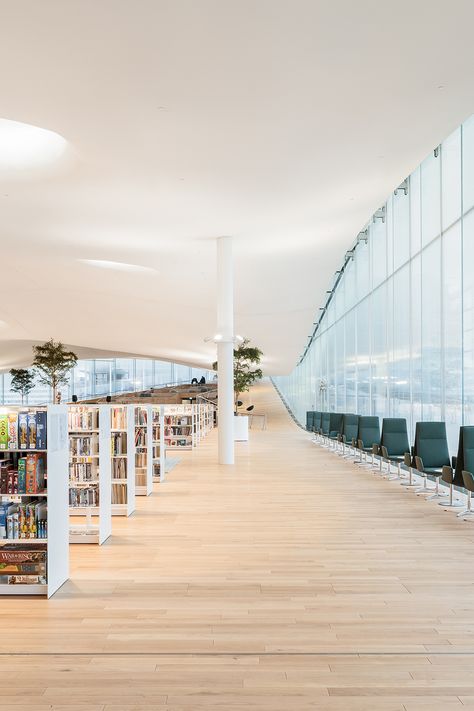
[[426, 467]]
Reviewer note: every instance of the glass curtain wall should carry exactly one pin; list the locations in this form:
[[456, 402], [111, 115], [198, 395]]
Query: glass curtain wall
[[397, 338], [108, 376]]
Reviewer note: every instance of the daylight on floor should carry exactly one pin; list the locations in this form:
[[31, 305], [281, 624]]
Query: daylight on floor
[[237, 355]]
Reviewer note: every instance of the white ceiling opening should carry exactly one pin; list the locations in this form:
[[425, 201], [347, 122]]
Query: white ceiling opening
[[283, 124]]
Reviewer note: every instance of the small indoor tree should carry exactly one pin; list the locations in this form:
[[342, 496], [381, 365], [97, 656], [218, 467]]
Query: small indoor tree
[[53, 363], [245, 374], [23, 381]]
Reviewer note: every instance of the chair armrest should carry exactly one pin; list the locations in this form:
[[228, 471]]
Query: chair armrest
[[419, 464], [468, 480], [447, 474]]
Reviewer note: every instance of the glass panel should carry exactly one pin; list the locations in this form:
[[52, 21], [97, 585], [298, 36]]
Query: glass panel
[[452, 303], [431, 331], [451, 177], [430, 198]]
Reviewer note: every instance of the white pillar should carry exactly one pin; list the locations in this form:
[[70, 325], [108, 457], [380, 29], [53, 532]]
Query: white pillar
[[225, 349]]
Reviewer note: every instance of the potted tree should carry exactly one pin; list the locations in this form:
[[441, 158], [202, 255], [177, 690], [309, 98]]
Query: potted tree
[[22, 382], [53, 362], [246, 357]]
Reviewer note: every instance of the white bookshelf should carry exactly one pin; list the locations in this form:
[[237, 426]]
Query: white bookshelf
[[46, 527], [143, 450], [90, 506], [179, 427], [158, 444], [122, 433]]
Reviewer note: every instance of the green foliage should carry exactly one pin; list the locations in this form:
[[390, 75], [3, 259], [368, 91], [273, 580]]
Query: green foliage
[[22, 381], [245, 375], [53, 363]]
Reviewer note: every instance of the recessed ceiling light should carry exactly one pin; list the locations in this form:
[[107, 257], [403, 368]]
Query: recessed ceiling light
[[118, 266], [23, 146]]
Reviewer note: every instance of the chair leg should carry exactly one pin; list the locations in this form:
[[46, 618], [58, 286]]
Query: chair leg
[[451, 504], [437, 494], [468, 512], [425, 489], [410, 484]]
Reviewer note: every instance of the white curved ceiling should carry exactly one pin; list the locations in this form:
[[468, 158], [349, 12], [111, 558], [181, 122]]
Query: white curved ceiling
[[282, 123]]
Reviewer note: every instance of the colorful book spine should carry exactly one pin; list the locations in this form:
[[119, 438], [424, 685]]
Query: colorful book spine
[[12, 430], [31, 422], [23, 430], [4, 431], [34, 474], [41, 439], [22, 475]]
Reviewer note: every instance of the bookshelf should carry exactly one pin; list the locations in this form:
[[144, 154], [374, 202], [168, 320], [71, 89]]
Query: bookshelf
[[158, 443], [34, 550], [90, 489], [179, 427], [143, 450], [122, 434]]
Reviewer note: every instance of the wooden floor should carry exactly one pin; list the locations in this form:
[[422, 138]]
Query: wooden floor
[[290, 581]]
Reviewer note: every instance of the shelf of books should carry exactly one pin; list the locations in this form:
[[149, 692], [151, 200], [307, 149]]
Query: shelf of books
[[159, 450], [122, 419], [90, 489], [179, 426], [206, 418], [34, 551], [143, 450]]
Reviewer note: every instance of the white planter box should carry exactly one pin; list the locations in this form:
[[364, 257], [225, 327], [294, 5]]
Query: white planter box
[[241, 428]]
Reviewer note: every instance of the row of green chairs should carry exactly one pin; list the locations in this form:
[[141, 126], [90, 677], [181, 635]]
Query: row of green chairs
[[429, 456]]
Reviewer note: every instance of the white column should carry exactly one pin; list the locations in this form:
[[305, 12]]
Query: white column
[[225, 349]]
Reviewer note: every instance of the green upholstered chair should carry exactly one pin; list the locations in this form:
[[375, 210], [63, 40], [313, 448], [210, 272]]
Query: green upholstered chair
[[452, 475], [468, 480], [316, 422], [464, 466], [350, 427], [431, 454], [324, 429], [394, 442], [309, 420], [368, 435], [409, 463], [335, 426]]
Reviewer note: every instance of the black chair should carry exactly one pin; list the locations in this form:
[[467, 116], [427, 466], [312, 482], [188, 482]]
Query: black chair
[[394, 443], [368, 436], [431, 454], [348, 435], [452, 475], [309, 420]]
